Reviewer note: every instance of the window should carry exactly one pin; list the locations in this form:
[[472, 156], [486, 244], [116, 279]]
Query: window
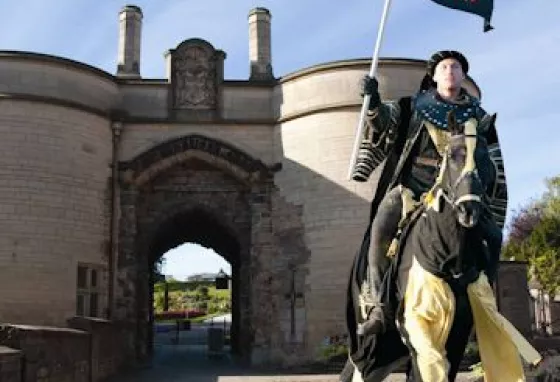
[[88, 291]]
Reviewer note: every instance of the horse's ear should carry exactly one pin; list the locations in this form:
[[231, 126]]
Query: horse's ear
[[452, 124], [493, 119]]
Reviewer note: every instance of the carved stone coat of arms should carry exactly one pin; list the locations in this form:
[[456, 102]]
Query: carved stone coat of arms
[[194, 77]]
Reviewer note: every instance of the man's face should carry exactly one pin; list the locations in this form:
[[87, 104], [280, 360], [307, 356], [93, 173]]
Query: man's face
[[449, 74]]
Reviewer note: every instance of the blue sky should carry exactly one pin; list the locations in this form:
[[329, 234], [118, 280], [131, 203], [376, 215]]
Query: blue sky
[[515, 65]]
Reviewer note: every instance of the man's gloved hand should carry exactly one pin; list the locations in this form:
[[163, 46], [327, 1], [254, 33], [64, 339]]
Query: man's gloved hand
[[370, 86]]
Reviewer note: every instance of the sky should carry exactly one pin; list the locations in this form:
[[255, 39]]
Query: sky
[[516, 65]]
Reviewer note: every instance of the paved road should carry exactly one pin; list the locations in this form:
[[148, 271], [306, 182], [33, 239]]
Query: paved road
[[189, 361]]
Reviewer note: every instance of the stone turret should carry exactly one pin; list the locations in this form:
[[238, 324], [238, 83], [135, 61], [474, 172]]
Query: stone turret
[[130, 28], [259, 44]]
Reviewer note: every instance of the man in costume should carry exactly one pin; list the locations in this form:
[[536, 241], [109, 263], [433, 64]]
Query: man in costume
[[402, 137]]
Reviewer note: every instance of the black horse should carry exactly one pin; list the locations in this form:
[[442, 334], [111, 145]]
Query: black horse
[[441, 251]]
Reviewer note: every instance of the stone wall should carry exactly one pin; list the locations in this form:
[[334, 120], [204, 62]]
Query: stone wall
[[57, 79], [105, 346], [89, 351], [555, 317], [512, 295], [10, 364], [49, 354], [54, 167], [253, 139]]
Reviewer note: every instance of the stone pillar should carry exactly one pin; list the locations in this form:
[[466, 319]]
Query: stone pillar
[[168, 56], [512, 294], [554, 317], [126, 313], [10, 364], [259, 45], [106, 356], [130, 26], [262, 316]]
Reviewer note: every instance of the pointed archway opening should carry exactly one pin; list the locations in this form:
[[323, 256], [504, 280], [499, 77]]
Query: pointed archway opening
[[192, 294], [199, 295]]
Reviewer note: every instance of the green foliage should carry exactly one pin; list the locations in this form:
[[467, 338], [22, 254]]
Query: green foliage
[[199, 295], [552, 197], [176, 285], [540, 243], [514, 251], [471, 351], [203, 290], [477, 370], [159, 302], [543, 254], [329, 351]]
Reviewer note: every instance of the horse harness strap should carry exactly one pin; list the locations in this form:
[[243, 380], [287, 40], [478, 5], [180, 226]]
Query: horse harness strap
[[427, 161]]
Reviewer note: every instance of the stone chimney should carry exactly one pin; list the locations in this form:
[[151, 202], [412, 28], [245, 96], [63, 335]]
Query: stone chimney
[[259, 45], [130, 26]]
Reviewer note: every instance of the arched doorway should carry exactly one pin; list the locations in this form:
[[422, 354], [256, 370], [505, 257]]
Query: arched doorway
[[202, 190], [201, 227]]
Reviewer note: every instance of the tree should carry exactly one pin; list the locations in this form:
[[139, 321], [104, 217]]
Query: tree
[[158, 302], [522, 225], [552, 196], [543, 252], [535, 238], [157, 270], [525, 222]]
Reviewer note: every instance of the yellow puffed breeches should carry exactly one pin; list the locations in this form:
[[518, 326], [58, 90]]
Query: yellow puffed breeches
[[428, 316]]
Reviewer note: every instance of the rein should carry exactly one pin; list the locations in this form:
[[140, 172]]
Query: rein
[[449, 191]]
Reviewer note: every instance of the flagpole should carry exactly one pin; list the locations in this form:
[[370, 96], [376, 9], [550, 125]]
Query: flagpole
[[367, 97]]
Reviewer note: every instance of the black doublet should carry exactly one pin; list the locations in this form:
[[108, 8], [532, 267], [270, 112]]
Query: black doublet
[[420, 176]]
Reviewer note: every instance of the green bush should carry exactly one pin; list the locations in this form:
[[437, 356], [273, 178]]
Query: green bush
[[471, 351], [329, 351]]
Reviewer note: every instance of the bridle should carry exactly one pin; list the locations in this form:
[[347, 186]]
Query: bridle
[[448, 191]]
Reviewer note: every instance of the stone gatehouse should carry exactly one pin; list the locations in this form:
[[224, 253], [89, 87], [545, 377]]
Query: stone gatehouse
[[103, 173]]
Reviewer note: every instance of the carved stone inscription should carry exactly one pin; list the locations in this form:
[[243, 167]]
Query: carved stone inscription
[[194, 77], [196, 142]]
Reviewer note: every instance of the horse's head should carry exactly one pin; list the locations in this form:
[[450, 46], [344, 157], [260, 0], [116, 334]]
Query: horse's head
[[466, 170]]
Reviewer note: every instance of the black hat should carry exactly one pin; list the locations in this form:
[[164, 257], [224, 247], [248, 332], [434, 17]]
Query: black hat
[[442, 55]]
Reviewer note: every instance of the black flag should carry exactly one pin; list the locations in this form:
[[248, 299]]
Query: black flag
[[483, 8]]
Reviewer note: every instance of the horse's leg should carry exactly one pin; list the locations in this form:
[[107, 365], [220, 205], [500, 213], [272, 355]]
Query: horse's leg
[[460, 332], [492, 234]]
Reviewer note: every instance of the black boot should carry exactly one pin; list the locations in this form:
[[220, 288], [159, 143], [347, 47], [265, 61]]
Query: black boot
[[383, 230]]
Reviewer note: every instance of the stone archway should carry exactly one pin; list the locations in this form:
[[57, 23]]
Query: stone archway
[[188, 178], [173, 225]]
